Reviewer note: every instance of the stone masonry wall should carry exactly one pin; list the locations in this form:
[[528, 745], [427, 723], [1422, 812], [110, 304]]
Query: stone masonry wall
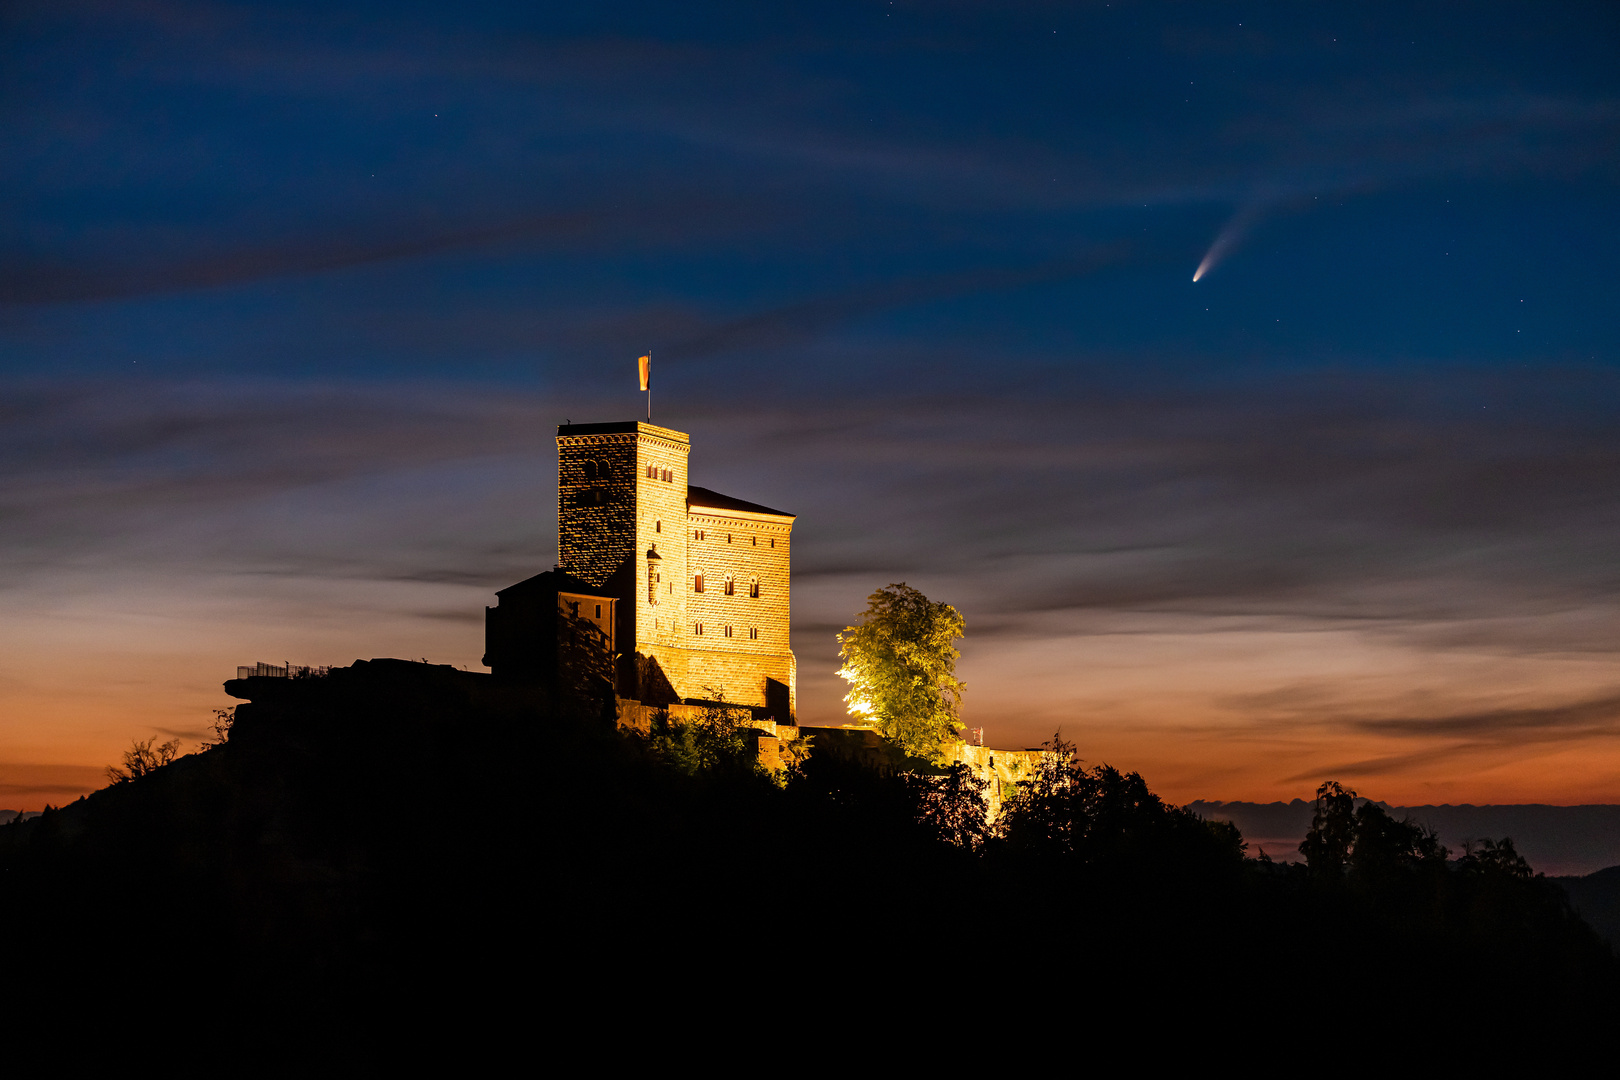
[[596, 503]]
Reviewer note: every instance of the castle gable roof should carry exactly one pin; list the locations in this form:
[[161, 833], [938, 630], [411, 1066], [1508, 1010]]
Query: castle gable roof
[[553, 582], [703, 498]]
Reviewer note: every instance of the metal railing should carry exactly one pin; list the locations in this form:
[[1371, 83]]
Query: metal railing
[[279, 671]]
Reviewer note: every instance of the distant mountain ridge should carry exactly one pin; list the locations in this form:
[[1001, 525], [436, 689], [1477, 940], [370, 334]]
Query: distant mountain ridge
[[1557, 840]]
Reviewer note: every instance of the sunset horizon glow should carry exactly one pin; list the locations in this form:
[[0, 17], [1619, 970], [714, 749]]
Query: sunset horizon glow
[[294, 299]]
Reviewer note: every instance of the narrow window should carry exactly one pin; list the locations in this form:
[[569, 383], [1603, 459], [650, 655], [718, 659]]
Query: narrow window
[[753, 588], [669, 476], [697, 581], [753, 633], [598, 611], [658, 526], [697, 628], [754, 541], [728, 538], [731, 586], [773, 541], [728, 631]]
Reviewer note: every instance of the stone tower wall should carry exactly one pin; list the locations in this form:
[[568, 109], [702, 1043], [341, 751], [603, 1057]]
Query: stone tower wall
[[596, 502]]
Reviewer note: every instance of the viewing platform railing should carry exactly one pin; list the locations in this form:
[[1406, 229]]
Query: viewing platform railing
[[279, 671]]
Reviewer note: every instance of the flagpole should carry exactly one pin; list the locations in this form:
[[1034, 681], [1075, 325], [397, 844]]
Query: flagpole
[[649, 386]]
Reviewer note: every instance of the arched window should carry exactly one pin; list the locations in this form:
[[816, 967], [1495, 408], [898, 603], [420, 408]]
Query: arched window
[[590, 470], [731, 586], [697, 581], [753, 587]]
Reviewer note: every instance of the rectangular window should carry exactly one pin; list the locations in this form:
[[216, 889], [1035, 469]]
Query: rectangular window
[[697, 629], [598, 611], [728, 631], [753, 589], [753, 633]]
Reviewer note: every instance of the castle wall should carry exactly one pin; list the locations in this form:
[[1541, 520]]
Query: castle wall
[[624, 526], [744, 637]]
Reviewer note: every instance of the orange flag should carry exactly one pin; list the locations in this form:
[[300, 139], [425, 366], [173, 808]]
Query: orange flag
[[646, 369]]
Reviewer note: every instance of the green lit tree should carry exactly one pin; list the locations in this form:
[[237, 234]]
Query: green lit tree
[[900, 663]]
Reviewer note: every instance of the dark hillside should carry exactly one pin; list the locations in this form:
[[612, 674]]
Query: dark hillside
[[399, 833]]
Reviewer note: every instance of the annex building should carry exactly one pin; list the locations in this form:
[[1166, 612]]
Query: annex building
[[665, 592]]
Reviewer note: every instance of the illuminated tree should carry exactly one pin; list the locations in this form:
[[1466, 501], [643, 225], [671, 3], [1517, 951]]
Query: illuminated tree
[[900, 661]]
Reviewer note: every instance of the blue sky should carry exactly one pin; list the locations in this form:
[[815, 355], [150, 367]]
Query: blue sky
[[291, 298]]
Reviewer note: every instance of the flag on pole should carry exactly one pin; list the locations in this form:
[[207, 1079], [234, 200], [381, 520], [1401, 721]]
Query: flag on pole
[[646, 369]]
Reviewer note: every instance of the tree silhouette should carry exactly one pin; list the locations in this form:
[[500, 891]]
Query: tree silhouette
[[142, 758], [1333, 827], [952, 807]]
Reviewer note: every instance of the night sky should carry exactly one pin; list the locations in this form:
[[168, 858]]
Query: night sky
[[292, 298]]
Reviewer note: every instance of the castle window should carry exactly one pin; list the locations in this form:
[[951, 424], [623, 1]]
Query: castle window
[[652, 583], [598, 611], [658, 526], [697, 581], [754, 540], [753, 588], [668, 476], [773, 541], [652, 473], [731, 586], [697, 629], [728, 631], [728, 538], [753, 633]]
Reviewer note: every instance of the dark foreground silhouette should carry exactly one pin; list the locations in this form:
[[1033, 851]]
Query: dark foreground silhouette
[[396, 837]]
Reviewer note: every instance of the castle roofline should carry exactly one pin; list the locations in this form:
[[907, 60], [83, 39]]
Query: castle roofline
[[623, 427], [701, 498], [554, 581]]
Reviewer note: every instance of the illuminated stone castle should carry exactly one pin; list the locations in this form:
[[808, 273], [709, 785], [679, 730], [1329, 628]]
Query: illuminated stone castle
[[687, 590]]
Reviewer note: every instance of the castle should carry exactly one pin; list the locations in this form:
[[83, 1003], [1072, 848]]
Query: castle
[[670, 594], [669, 598]]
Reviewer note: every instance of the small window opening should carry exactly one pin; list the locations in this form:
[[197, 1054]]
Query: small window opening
[[728, 631], [753, 633], [697, 581], [731, 586], [753, 588]]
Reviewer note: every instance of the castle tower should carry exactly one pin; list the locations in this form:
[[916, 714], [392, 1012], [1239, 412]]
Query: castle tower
[[702, 579]]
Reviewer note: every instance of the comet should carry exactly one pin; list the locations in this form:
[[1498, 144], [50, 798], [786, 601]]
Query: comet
[[1229, 236]]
